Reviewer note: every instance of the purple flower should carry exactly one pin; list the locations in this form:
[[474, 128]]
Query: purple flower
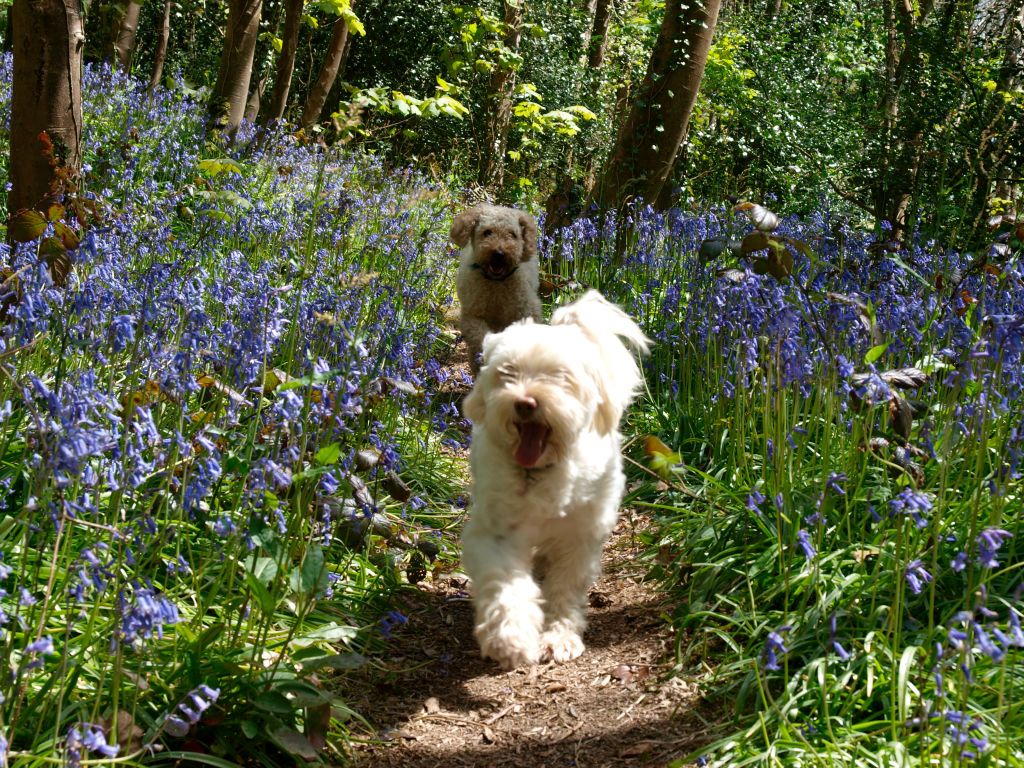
[[775, 647], [841, 652], [803, 539], [755, 500], [959, 562], [913, 503], [989, 541], [917, 576], [391, 620]]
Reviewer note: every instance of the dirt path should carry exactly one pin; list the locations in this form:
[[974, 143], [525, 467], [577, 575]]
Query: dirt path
[[434, 702]]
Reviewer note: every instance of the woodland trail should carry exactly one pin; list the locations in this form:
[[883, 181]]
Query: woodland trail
[[434, 702]]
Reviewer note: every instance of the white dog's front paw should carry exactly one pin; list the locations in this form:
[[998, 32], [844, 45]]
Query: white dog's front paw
[[511, 647], [562, 643]]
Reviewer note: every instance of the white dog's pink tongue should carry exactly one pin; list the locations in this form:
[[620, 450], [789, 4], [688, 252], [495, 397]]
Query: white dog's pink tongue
[[532, 439]]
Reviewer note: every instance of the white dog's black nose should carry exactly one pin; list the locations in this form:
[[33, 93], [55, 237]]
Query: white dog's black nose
[[525, 406]]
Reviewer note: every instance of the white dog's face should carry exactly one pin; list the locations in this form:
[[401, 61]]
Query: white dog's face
[[539, 388]]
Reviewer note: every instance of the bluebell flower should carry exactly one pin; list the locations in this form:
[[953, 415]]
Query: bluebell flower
[[775, 647], [754, 500], [917, 576], [912, 503], [391, 620], [804, 542], [989, 541]]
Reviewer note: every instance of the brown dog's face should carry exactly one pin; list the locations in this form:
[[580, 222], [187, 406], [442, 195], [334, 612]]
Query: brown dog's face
[[502, 238]]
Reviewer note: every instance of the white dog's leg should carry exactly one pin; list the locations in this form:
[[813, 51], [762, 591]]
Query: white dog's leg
[[507, 600], [574, 563]]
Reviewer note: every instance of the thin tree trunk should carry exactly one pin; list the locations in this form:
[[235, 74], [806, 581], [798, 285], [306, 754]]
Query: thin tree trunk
[[230, 94], [598, 40], [285, 63], [648, 142], [49, 37], [127, 34], [328, 72], [161, 47], [499, 120]]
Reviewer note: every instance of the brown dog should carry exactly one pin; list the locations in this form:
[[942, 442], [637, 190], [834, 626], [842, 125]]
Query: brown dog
[[497, 279]]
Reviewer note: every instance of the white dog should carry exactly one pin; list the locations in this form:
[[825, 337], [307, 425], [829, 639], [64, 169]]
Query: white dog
[[547, 475], [497, 279]]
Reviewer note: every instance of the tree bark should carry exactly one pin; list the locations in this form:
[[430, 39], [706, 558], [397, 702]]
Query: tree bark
[[648, 142], [499, 117], [230, 94], [47, 98], [160, 56], [285, 63], [328, 72], [598, 41], [127, 34]]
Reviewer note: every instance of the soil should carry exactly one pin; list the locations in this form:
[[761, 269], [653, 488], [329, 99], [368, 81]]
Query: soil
[[431, 700], [434, 702]]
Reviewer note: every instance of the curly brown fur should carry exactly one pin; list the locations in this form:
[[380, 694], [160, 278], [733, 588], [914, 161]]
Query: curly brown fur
[[497, 280]]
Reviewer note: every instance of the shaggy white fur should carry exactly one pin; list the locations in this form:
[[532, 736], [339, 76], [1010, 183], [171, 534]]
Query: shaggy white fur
[[547, 475]]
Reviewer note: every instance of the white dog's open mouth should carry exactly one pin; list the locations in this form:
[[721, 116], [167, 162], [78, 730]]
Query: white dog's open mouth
[[533, 439]]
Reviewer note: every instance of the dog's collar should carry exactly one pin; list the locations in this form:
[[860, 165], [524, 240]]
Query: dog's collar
[[494, 279]]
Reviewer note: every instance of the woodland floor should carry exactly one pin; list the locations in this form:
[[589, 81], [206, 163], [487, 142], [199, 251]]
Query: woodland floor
[[434, 702], [431, 700]]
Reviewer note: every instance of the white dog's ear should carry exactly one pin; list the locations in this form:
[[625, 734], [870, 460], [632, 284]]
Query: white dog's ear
[[463, 226], [528, 229], [608, 412], [473, 406]]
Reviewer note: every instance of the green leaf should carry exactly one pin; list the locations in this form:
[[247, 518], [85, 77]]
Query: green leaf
[[329, 454], [263, 569], [876, 352], [330, 633], [216, 166], [264, 597], [341, 661], [250, 729], [274, 701], [310, 577], [294, 743]]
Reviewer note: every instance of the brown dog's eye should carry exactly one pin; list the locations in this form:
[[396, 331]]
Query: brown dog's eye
[[487, 233]]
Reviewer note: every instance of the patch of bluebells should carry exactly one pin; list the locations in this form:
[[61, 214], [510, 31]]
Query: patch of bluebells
[[775, 648], [189, 710]]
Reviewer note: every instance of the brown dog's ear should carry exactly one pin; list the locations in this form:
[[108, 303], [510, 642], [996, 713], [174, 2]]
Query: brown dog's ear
[[463, 226], [528, 228]]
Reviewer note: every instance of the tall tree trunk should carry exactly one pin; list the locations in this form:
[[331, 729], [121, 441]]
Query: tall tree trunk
[[127, 34], [47, 97], [227, 103], [649, 140], [46, 106], [328, 72], [598, 39], [285, 63], [499, 116], [252, 106], [161, 47]]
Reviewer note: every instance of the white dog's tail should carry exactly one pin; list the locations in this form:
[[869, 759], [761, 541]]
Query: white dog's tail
[[608, 327]]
